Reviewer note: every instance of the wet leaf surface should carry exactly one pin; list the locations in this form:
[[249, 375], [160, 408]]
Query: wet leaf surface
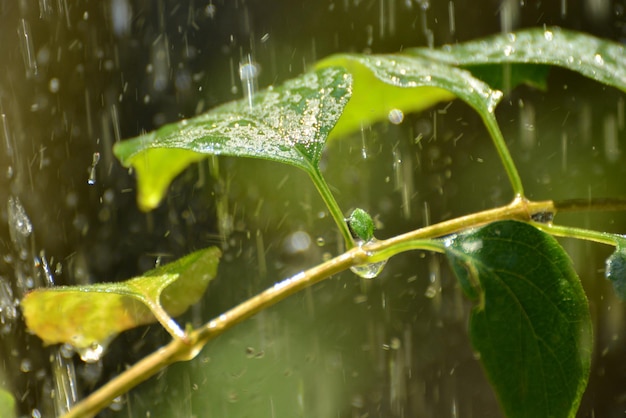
[[91, 315], [531, 325], [598, 59], [291, 123], [288, 124], [383, 83]]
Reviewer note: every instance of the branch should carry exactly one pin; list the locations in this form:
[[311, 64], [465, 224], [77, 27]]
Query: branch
[[184, 350]]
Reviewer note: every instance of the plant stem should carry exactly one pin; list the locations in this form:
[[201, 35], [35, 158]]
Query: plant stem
[[331, 204], [179, 350], [580, 233], [503, 152]]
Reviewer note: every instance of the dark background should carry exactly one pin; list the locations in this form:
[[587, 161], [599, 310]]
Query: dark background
[[75, 77]]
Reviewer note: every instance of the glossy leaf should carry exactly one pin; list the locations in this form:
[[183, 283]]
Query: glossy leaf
[[91, 315], [598, 59], [383, 83], [531, 325], [288, 124], [361, 225]]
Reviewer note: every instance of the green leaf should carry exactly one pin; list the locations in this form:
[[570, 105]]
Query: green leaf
[[92, 315], [531, 325], [598, 59], [361, 225], [288, 124], [383, 83]]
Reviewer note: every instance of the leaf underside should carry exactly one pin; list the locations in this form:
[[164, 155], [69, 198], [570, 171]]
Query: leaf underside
[[93, 314], [531, 325]]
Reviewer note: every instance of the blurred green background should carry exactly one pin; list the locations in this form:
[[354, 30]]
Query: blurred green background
[[78, 76]]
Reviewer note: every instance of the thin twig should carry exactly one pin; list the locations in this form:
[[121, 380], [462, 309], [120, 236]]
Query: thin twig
[[179, 350]]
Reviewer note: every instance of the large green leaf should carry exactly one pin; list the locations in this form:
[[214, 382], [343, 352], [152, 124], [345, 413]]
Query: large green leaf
[[531, 325], [598, 59], [88, 317], [383, 83], [288, 124]]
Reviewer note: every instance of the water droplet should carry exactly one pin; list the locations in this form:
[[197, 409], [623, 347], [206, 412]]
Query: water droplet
[[431, 291], [248, 73], [8, 311], [92, 170], [598, 59], [117, 404], [20, 226], [210, 10], [121, 17], [65, 383], [28, 50], [53, 85], [297, 242], [320, 241], [92, 353], [26, 365], [508, 50], [369, 271], [548, 35], [395, 116]]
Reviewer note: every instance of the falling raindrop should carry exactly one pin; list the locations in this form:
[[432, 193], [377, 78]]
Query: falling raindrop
[[5, 133], [248, 73], [92, 169], [395, 116], [54, 85], [26, 365], [612, 150], [298, 242], [28, 50], [65, 383], [20, 227], [121, 17], [8, 310]]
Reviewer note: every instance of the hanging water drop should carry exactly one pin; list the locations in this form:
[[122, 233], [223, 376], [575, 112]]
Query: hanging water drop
[[361, 227], [91, 354], [369, 271]]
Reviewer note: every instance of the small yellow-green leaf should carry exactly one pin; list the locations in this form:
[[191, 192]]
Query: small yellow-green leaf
[[92, 315]]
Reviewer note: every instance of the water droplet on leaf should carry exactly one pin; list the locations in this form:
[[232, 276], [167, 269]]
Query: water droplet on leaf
[[93, 353]]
